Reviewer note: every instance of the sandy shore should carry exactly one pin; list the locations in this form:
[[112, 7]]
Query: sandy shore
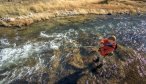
[[63, 8]]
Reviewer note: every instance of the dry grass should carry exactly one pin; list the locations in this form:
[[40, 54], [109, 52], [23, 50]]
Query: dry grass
[[44, 9], [15, 9], [40, 6]]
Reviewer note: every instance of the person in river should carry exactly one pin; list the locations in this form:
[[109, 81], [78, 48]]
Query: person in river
[[106, 47]]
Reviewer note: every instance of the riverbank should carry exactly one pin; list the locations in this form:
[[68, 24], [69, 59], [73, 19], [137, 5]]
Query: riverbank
[[25, 13]]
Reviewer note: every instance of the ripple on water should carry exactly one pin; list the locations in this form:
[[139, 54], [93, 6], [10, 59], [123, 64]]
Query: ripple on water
[[11, 55], [4, 42]]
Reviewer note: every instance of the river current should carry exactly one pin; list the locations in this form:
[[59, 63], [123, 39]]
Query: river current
[[26, 51]]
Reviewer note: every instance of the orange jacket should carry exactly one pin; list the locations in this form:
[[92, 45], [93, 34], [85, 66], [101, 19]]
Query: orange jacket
[[107, 48]]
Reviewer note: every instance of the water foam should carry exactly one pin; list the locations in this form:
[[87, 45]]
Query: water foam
[[12, 55], [4, 42], [54, 35], [60, 38]]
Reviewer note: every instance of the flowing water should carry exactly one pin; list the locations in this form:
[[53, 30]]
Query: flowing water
[[39, 52]]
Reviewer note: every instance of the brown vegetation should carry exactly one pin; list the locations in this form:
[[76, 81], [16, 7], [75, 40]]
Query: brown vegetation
[[29, 11]]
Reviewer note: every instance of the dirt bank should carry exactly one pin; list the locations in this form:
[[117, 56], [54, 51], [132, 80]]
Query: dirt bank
[[19, 13]]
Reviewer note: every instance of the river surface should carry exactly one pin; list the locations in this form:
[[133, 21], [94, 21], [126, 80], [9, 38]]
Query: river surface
[[34, 49]]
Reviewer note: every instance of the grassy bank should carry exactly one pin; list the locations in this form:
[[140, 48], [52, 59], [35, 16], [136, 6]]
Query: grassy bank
[[26, 12], [20, 7]]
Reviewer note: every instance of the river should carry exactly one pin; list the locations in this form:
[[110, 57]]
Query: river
[[39, 52]]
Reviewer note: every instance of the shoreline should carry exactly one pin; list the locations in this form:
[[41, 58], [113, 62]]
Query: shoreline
[[90, 8]]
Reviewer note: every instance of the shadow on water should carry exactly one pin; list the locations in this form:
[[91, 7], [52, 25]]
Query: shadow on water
[[72, 78], [69, 66], [19, 81], [34, 80]]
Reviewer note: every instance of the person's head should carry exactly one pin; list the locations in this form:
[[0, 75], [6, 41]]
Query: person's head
[[112, 38]]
